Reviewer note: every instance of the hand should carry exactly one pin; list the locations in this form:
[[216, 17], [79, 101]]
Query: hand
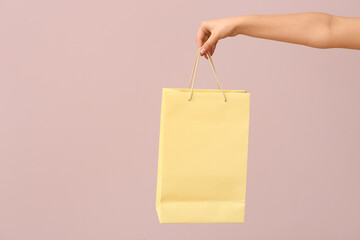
[[210, 32]]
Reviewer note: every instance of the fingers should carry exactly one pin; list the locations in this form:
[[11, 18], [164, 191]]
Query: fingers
[[206, 40], [212, 50], [207, 46], [200, 38]]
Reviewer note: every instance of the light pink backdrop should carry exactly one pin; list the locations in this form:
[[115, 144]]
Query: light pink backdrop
[[80, 92]]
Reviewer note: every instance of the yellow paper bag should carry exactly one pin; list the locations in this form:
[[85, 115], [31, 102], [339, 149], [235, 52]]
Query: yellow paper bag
[[203, 147]]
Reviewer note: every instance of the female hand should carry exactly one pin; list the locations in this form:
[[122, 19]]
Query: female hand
[[210, 32]]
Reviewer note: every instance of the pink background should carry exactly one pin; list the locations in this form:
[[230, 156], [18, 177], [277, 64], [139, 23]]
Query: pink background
[[80, 93]]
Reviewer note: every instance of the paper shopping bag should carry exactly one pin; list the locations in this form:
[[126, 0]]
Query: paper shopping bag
[[202, 159]]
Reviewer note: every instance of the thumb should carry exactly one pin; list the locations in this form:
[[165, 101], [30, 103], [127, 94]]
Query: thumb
[[206, 47]]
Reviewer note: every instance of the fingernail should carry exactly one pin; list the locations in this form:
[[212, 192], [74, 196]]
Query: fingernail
[[202, 51]]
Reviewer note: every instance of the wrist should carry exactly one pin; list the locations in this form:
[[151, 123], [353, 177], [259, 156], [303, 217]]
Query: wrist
[[238, 25]]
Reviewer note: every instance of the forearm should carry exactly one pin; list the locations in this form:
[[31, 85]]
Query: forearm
[[311, 29]]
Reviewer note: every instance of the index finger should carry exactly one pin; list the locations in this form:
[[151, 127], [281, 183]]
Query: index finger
[[200, 38]]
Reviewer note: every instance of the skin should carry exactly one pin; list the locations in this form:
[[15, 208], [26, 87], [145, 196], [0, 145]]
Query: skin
[[313, 29]]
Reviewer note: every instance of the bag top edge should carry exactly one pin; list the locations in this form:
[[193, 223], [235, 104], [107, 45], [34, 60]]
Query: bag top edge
[[205, 90]]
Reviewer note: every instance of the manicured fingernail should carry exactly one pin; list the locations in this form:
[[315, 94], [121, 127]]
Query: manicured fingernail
[[202, 51]]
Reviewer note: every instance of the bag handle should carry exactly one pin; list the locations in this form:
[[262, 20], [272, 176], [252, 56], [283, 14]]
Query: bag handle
[[193, 74]]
